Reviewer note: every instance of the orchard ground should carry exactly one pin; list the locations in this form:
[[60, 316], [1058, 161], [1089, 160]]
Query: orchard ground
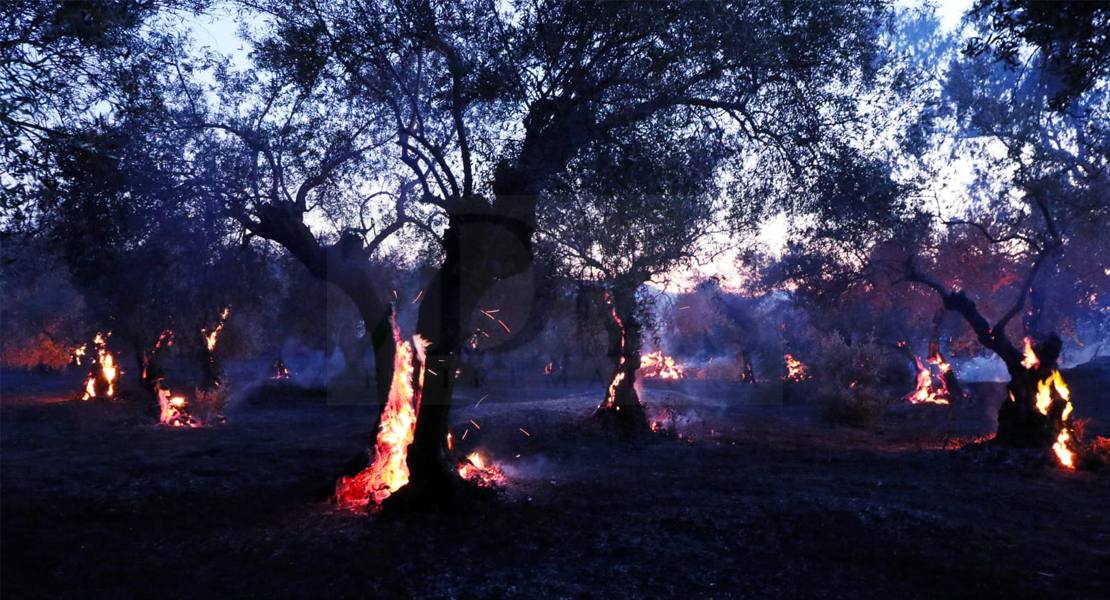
[[758, 498]]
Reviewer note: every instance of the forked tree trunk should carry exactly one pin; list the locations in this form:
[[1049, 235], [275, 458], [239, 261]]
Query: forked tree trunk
[[1020, 422], [347, 265]]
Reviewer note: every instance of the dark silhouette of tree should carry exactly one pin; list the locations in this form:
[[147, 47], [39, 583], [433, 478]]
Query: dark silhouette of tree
[[1073, 40]]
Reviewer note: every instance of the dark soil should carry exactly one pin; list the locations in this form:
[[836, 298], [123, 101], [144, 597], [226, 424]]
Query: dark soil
[[752, 501]]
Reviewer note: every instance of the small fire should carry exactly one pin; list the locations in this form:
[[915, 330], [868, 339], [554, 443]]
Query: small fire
[[611, 399], [1048, 390], [108, 371], [656, 364], [1045, 389], [549, 368], [280, 371], [173, 412], [210, 337], [796, 370], [1031, 361], [926, 392], [475, 469], [390, 470], [165, 339], [664, 422]]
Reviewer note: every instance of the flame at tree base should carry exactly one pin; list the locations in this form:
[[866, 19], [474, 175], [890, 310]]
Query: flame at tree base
[[1039, 406], [173, 411], [104, 372], [389, 471], [475, 470]]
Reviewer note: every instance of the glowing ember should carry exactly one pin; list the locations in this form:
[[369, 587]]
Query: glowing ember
[[796, 370], [656, 364], [549, 368], [389, 471], [210, 338], [280, 371], [1031, 361], [474, 468], [108, 371]]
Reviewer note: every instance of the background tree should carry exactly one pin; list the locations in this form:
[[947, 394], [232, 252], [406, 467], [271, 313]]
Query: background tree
[[629, 209], [1036, 184]]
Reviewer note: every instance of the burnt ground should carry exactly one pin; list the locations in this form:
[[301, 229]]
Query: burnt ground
[[753, 501]]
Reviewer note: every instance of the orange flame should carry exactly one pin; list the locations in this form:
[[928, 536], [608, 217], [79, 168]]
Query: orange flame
[[656, 364], [925, 392], [173, 410], [796, 370], [611, 399], [210, 338], [475, 469], [1048, 389], [1045, 389], [107, 366], [390, 470], [1031, 361]]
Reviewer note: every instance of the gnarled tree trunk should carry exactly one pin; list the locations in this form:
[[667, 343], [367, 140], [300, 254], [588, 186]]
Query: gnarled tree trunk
[[480, 248], [1020, 422], [621, 409]]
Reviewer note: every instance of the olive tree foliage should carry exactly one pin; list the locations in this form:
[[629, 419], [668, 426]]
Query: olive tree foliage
[[94, 177], [1072, 38], [66, 66]]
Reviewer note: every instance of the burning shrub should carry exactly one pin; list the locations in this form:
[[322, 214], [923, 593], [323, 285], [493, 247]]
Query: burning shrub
[[850, 379], [1095, 455]]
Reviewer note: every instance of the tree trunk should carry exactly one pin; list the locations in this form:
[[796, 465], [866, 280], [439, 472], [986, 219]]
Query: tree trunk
[[1020, 422], [479, 250], [621, 409]]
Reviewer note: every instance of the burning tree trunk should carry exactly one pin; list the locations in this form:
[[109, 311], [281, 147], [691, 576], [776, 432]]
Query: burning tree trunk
[[213, 370], [101, 382], [951, 383], [621, 409], [153, 370], [389, 470], [1036, 412], [480, 248]]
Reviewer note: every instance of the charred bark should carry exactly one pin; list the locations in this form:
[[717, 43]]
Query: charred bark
[[480, 248], [1020, 422], [622, 411]]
